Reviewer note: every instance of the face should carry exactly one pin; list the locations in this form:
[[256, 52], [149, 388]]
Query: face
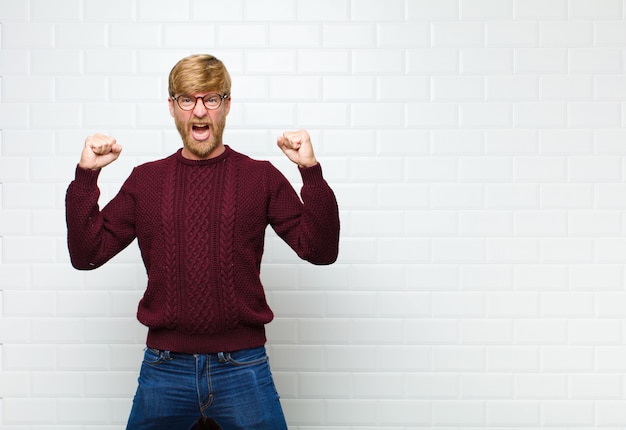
[[201, 129]]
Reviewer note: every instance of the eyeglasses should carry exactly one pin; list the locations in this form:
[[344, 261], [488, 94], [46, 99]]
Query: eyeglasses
[[211, 101]]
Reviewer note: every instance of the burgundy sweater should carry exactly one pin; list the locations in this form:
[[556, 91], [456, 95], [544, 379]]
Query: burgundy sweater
[[200, 226]]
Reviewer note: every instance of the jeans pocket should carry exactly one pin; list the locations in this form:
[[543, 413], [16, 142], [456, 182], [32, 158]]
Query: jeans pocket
[[152, 356], [248, 357]]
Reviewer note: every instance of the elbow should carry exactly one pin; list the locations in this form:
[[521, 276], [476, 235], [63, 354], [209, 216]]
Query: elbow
[[82, 265], [325, 258]]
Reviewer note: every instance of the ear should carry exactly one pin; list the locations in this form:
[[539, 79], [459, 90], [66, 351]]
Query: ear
[[171, 104], [227, 109]]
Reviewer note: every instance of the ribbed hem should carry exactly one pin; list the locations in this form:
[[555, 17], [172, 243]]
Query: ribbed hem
[[233, 340]]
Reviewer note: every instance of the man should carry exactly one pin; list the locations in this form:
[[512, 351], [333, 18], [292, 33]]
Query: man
[[199, 217]]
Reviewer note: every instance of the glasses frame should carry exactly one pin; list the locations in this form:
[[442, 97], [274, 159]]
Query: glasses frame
[[220, 96]]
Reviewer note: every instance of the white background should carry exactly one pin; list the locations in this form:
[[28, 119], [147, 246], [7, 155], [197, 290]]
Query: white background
[[477, 151]]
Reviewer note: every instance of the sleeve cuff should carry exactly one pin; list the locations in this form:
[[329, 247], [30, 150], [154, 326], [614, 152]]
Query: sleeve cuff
[[312, 175], [86, 178]]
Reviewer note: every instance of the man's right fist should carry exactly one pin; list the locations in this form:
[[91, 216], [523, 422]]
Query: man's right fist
[[99, 151]]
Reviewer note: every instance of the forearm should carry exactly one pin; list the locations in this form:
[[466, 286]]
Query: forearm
[[91, 239], [321, 215]]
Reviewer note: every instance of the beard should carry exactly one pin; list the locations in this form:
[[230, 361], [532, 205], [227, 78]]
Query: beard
[[201, 137]]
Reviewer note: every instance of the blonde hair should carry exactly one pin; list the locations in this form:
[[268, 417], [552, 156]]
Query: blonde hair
[[199, 73]]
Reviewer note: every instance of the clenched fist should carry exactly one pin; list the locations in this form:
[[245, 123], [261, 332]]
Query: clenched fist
[[297, 147], [99, 151]]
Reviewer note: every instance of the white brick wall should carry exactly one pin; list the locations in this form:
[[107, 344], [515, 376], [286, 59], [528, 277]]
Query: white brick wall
[[477, 151]]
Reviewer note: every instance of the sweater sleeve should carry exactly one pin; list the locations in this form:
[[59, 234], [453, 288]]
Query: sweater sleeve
[[94, 236], [309, 226]]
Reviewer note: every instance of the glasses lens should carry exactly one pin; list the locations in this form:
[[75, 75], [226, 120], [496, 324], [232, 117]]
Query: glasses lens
[[186, 102], [211, 101]]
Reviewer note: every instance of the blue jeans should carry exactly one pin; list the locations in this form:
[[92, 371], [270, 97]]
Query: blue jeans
[[235, 389]]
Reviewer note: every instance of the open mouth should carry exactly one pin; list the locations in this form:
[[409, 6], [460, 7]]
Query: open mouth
[[200, 131]]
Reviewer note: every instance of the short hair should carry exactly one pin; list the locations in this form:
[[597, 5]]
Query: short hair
[[199, 73]]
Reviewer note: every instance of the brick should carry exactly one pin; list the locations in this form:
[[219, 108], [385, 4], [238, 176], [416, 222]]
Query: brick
[[543, 223], [324, 385], [535, 277], [594, 332], [540, 169], [512, 359], [323, 10], [569, 305], [403, 250], [323, 61], [479, 277], [433, 11], [275, 61], [432, 115], [485, 169], [486, 9], [609, 33], [454, 196], [366, 61], [541, 60], [502, 34], [485, 386], [486, 60], [560, 142], [458, 88], [480, 224], [55, 10], [514, 413], [162, 10], [484, 331], [201, 36], [265, 10], [27, 90], [501, 250], [563, 359], [568, 413], [486, 115], [432, 386], [145, 35], [513, 88], [300, 36], [458, 34], [433, 61], [568, 250], [541, 386], [541, 9], [353, 36], [19, 35], [371, 10], [112, 11], [453, 413], [562, 87], [512, 142], [410, 34], [572, 34], [595, 277], [596, 61], [588, 9], [54, 115], [540, 115], [511, 196], [14, 11]]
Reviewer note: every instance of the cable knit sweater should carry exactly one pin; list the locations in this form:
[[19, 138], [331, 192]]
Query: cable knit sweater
[[200, 226]]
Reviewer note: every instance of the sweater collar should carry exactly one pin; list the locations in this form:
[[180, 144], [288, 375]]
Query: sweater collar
[[211, 161]]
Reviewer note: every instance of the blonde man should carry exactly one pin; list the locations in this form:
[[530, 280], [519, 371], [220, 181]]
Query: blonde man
[[199, 217]]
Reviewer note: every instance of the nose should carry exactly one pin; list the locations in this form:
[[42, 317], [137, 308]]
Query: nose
[[200, 109]]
